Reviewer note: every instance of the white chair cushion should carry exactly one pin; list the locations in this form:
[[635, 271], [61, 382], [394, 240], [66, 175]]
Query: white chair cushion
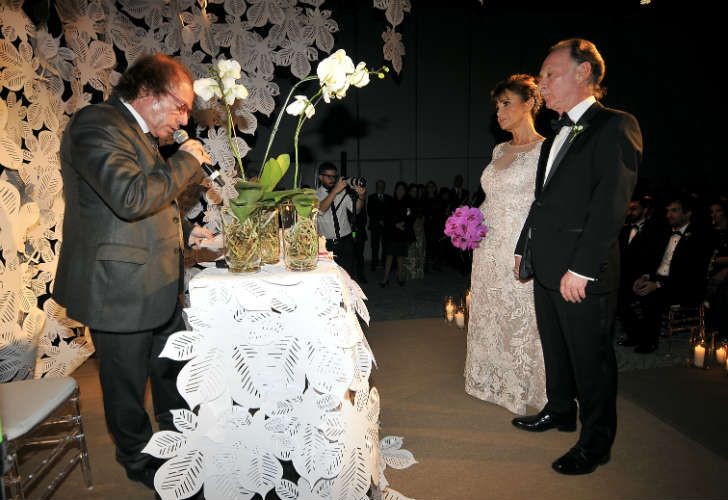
[[26, 403]]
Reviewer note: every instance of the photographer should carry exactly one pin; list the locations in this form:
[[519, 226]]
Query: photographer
[[335, 203]]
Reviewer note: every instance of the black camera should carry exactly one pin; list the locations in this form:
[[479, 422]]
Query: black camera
[[353, 182]]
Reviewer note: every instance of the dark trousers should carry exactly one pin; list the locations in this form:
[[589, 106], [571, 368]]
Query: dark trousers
[[580, 362], [343, 250], [642, 317], [376, 233], [126, 361], [359, 244]]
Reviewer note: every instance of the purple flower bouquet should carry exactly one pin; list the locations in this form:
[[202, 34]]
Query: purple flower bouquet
[[465, 228]]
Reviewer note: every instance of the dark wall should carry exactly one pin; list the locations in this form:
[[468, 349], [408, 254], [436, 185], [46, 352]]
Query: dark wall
[[435, 120]]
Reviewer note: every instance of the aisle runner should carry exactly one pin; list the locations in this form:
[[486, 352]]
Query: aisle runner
[[278, 371]]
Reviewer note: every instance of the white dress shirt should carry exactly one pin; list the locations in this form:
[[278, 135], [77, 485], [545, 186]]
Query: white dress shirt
[[635, 229], [664, 268], [326, 219], [142, 123], [574, 113]]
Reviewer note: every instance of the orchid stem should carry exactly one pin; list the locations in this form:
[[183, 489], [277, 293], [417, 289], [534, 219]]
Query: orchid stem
[[301, 119], [278, 121], [231, 134]]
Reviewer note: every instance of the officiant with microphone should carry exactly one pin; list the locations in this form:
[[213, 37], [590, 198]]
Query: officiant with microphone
[[119, 269]]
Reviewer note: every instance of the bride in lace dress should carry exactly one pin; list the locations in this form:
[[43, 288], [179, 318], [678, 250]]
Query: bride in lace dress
[[504, 363]]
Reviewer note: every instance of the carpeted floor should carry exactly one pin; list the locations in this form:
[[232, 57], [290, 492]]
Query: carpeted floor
[[467, 449]]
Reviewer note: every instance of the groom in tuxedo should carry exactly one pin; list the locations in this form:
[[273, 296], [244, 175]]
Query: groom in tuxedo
[[585, 178]]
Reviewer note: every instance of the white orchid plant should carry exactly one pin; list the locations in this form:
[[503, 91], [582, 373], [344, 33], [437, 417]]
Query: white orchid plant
[[223, 84], [336, 75]]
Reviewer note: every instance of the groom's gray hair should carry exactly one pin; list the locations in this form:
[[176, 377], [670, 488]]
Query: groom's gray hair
[[582, 51]]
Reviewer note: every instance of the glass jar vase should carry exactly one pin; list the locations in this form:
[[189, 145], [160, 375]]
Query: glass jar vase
[[270, 250], [241, 242], [300, 238]]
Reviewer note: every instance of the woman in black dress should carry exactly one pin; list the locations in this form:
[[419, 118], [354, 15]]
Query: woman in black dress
[[398, 227]]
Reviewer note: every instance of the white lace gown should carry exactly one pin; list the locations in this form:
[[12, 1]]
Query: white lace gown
[[504, 362]]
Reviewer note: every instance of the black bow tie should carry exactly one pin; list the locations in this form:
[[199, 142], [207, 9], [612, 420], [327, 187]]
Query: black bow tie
[[564, 121], [679, 233]]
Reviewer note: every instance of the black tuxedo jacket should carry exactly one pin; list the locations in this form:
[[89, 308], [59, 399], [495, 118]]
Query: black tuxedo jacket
[[643, 252], [377, 211], [688, 267], [576, 215]]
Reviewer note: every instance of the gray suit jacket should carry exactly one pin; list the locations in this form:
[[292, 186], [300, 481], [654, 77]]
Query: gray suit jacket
[[119, 265]]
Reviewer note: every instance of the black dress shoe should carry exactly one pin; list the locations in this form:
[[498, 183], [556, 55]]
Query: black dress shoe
[[578, 461], [627, 342], [546, 420], [645, 349], [382, 284], [144, 476]]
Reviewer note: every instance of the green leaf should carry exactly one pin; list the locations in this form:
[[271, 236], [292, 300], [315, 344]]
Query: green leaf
[[305, 201], [242, 212], [273, 171], [248, 192]]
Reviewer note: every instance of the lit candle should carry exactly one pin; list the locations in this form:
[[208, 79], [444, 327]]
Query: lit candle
[[699, 357], [720, 354], [460, 319], [450, 312]]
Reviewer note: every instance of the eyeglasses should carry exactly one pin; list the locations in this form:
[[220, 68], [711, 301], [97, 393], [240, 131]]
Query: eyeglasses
[[329, 176], [182, 107]]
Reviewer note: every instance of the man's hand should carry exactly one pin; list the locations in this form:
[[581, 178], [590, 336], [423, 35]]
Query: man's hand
[[573, 288], [361, 191], [516, 267], [196, 149], [198, 235], [339, 186], [640, 283], [645, 288]]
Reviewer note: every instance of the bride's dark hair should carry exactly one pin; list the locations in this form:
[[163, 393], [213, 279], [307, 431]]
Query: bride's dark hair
[[525, 86]]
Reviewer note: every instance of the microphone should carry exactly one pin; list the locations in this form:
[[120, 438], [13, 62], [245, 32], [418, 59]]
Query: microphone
[[180, 137]]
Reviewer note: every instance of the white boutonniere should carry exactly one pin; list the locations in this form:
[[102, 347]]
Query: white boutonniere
[[576, 130]]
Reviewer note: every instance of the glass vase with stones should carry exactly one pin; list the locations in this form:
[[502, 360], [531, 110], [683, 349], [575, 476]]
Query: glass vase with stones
[[300, 236], [268, 226], [241, 242]]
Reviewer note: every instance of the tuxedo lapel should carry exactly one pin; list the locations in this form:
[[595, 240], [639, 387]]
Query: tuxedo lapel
[[542, 160], [583, 122]]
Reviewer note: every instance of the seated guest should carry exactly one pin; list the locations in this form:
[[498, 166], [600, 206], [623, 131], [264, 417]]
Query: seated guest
[[679, 277], [717, 294], [639, 242]]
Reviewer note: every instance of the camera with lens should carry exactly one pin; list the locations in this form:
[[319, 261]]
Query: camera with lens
[[353, 182]]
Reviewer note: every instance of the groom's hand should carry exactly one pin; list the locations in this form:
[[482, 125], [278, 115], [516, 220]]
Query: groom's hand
[[516, 267], [573, 287]]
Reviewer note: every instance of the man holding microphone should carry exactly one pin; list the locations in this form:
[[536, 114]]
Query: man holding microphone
[[120, 267]]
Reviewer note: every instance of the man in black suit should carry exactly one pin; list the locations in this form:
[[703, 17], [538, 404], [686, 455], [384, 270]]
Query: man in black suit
[[459, 196], [120, 268], [378, 208], [677, 276], [585, 178], [639, 246]]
